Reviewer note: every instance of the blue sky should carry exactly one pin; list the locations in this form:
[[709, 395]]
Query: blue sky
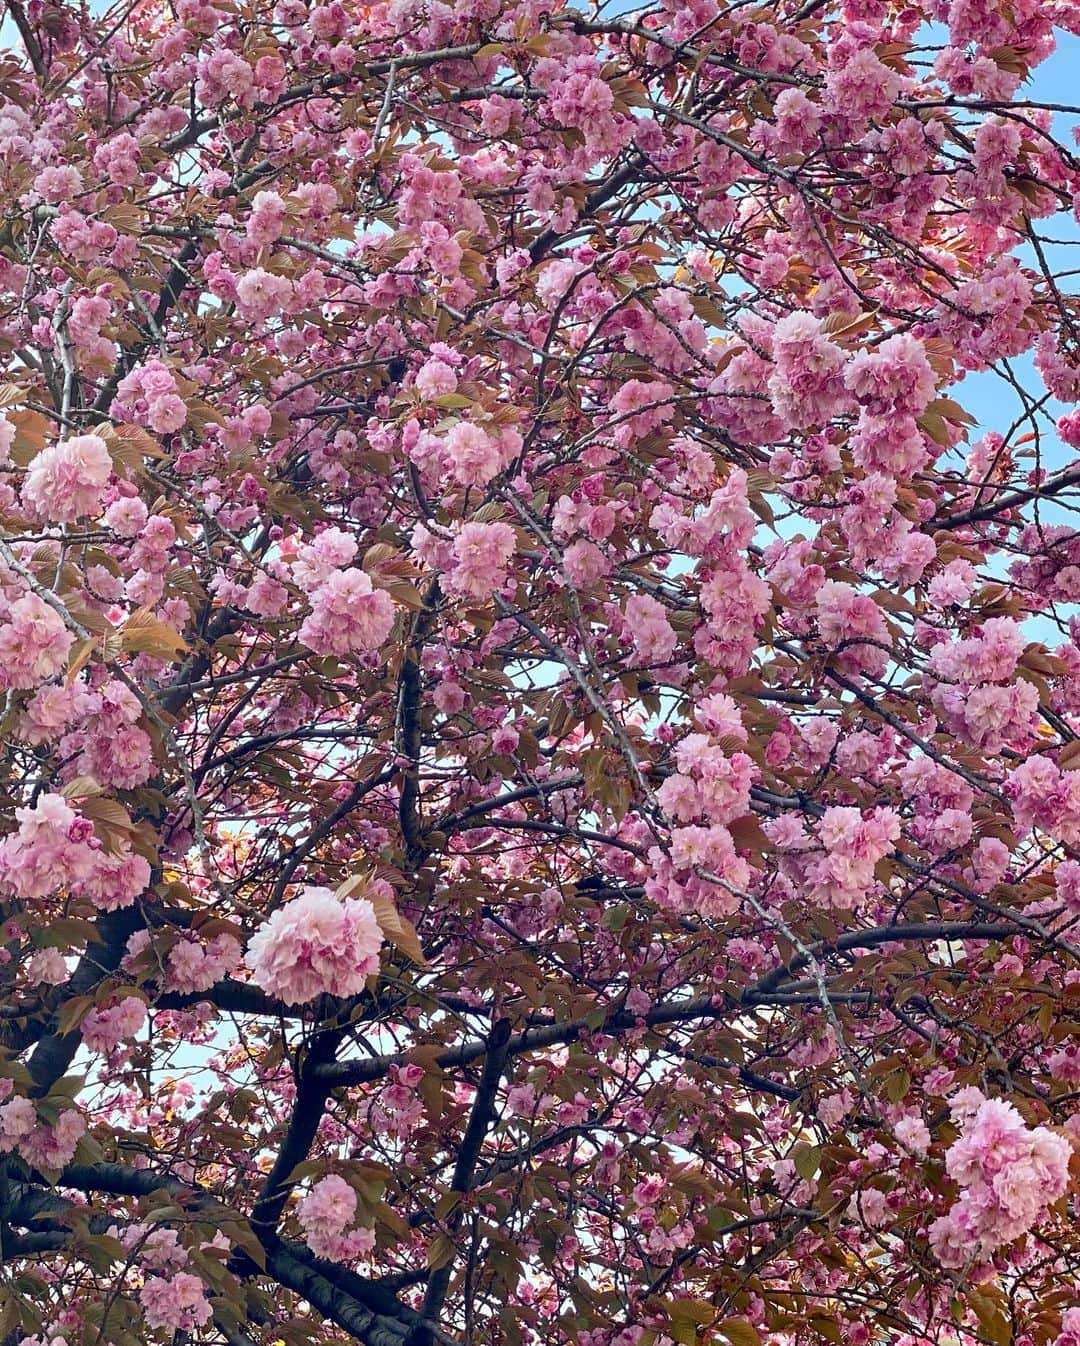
[[987, 396]]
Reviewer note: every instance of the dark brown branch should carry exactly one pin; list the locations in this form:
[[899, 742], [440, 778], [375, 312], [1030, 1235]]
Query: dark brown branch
[[411, 730], [1051, 487], [29, 37], [921, 931], [480, 1119]]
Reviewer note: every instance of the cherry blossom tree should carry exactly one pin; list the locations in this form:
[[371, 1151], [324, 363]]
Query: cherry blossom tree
[[541, 769]]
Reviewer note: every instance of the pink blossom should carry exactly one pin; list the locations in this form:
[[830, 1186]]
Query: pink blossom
[[324, 1213], [263, 295], [435, 378], [1008, 1174], [327, 1208], [652, 633], [104, 1028], [61, 182], [472, 455], [67, 480], [913, 1133], [116, 880], [316, 944], [126, 516], [177, 1303], [1067, 882], [847, 619], [267, 219], [481, 553], [332, 549], [149, 396], [580, 98], [895, 376], [48, 851], [48, 966], [584, 563], [7, 438], [44, 1145], [853, 844], [192, 965], [505, 739], [859, 85], [808, 385], [34, 643], [348, 615]]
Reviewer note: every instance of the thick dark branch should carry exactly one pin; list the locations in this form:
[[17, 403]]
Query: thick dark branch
[[410, 729], [236, 997], [325, 1287], [979, 513], [368, 1311], [480, 1119], [29, 37], [56, 1051], [483, 1109], [307, 1113], [918, 932], [341, 1073]]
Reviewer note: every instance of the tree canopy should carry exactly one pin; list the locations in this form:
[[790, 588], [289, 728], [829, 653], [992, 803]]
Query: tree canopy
[[539, 731]]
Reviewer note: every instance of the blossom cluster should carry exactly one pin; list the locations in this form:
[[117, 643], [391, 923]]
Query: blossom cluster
[[41, 1143], [1008, 1174], [56, 848], [325, 1214], [316, 944]]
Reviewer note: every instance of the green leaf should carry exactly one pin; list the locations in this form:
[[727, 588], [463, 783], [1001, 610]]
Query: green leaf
[[807, 1160], [73, 1012], [440, 1252], [70, 1087], [242, 1236], [698, 1311], [740, 1332], [307, 1169], [65, 933]]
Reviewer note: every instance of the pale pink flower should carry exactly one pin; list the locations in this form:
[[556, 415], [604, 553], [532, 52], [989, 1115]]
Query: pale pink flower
[[472, 456], [34, 643], [54, 1146], [325, 1212], [126, 516], [893, 377], [105, 1027], [261, 294], [1008, 1174], [348, 615], [47, 966], [481, 552], [913, 1133], [584, 563], [267, 219], [316, 944], [652, 634], [59, 182], [47, 851], [67, 480], [177, 1303], [435, 378], [808, 385], [192, 966]]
